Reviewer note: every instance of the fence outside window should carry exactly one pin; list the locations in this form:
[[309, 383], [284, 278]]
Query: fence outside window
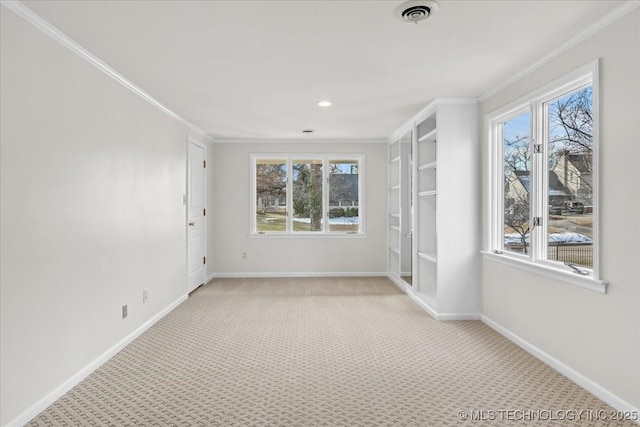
[[575, 254]]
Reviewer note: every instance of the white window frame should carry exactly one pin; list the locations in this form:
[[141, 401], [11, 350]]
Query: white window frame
[[289, 159], [535, 260]]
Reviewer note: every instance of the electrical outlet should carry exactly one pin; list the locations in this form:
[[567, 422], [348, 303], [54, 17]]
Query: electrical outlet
[[145, 295], [244, 256], [124, 311]]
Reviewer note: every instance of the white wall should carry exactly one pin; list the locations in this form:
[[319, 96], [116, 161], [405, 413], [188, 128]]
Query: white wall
[[596, 335], [228, 226], [92, 183]]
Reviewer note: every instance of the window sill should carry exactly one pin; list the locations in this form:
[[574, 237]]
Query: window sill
[[586, 282], [307, 235]]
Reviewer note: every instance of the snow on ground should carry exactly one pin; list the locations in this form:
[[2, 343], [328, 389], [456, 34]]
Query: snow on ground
[[555, 238], [342, 220]]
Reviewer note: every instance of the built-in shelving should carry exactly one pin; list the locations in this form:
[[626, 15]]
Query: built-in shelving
[[393, 241], [399, 200], [429, 136], [444, 208], [429, 256], [430, 165]]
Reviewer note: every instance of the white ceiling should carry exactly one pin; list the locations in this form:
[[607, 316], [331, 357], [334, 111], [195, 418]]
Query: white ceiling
[[256, 69]]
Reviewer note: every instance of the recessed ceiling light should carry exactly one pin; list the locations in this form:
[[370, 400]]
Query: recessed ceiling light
[[324, 104]]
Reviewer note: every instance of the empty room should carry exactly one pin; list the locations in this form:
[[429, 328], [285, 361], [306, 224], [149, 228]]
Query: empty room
[[319, 213]]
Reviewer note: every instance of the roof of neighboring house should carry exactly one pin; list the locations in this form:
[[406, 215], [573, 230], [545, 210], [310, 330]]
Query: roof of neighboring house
[[556, 188], [523, 177], [578, 161]]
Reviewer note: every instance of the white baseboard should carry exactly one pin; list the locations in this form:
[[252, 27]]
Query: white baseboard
[[427, 307], [458, 316], [575, 376], [59, 391], [400, 283], [254, 275]]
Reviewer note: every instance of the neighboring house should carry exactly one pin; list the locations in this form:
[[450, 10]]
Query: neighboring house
[[516, 188], [574, 173]]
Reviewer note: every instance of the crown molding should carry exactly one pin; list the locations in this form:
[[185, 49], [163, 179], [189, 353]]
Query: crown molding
[[600, 24], [34, 19]]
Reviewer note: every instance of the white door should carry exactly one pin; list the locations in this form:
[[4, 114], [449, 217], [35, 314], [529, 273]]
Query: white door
[[195, 216]]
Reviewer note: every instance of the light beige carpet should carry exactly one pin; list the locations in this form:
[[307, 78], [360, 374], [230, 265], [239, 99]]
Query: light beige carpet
[[317, 352]]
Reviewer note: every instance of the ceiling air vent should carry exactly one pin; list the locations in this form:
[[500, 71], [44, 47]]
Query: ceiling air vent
[[416, 10]]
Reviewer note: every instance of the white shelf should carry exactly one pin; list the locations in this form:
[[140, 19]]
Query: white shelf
[[431, 165], [395, 193], [429, 256], [429, 136], [444, 275]]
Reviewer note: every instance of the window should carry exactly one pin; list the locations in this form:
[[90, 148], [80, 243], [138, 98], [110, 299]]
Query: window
[[324, 197], [516, 161], [307, 195], [543, 149], [568, 121], [344, 215], [271, 194]]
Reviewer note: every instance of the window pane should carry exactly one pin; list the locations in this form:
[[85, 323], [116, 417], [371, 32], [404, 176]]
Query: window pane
[[307, 195], [517, 167], [271, 195], [570, 220], [343, 196]]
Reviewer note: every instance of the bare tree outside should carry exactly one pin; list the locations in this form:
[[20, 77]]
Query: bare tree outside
[[307, 193], [516, 218], [571, 142], [271, 195], [517, 164], [570, 160], [569, 153]]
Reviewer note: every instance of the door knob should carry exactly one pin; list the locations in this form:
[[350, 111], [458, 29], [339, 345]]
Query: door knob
[[192, 224]]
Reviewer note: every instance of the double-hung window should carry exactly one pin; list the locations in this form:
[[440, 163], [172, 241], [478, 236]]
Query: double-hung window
[[543, 180], [307, 195]]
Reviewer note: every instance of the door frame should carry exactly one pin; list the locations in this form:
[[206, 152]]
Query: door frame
[[192, 140]]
